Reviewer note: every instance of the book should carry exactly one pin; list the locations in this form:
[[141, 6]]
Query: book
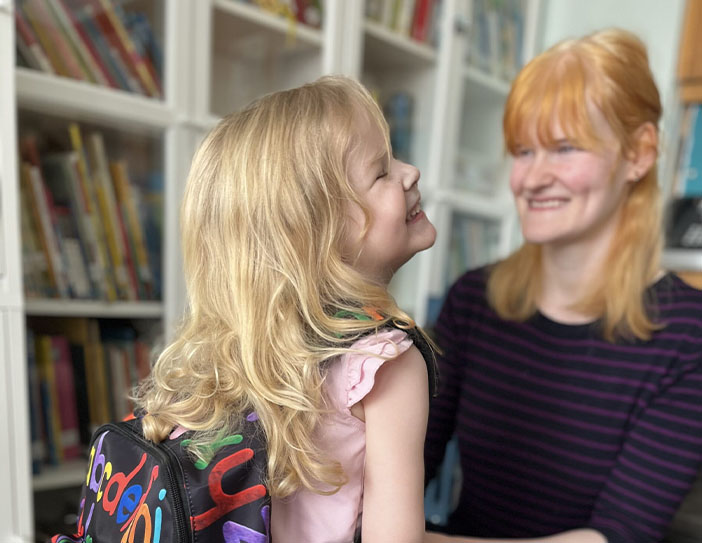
[[49, 399], [106, 78], [35, 269], [37, 432], [60, 172], [111, 61], [105, 279], [421, 19], [75, 40], [30, 46], [689, 174], [42, 206], [145, 40], [114, 228], [66, 396], [53, 42], [114, 31], [127, 201]]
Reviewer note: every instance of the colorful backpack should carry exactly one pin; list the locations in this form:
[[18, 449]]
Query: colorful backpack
[[138, 491]]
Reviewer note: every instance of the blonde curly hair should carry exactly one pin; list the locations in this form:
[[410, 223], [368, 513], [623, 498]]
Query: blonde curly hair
[[262, 220]]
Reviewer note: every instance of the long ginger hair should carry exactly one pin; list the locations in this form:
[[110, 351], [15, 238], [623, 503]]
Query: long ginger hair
[[610, 70]]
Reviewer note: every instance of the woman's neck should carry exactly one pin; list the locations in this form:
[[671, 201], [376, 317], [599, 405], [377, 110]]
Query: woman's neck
[[567, 272]]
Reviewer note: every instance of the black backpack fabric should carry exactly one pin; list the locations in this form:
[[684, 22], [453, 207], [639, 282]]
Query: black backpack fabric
[[138, 491]]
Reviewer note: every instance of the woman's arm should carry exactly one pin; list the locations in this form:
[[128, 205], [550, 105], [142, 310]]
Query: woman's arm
[[584, 535], [395, 411]]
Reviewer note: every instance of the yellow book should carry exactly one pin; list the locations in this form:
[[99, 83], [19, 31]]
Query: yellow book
[[49, 397], [88, 186], [127, 201]]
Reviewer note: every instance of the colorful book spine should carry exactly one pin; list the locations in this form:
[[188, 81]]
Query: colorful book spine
[[126, 199], [66, 395], [49, 399], [34, 53], [110, 216], [78, 45], [92, 211], [50, 36]]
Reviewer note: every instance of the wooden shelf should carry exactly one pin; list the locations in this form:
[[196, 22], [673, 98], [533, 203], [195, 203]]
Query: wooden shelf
[[383, 47]]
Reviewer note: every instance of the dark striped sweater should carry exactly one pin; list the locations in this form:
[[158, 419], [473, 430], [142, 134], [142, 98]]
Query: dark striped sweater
[[559, 429]]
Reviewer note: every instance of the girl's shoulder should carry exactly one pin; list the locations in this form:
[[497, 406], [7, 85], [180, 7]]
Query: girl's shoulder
[[356, 369]]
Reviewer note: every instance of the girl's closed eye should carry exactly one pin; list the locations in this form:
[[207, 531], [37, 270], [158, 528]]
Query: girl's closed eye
[[523, 152], [565, 147]]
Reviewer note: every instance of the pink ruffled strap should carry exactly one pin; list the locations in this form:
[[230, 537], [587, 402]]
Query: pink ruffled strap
[[373, 351]]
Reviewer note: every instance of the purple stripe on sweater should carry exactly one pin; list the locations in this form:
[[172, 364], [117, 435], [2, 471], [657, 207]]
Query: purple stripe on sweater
[[653, 474], [592, 443], [539, 474], [637, 497], [527, 483], [648, 517], [507, 353], [502, 484], [524, 391], [695, 306], [534, 442], [613, 525], [586, 476], [633, 481], [586, 391], [673, 451], [575, 346], [537, 520], [672, 466], [691, 423], [547, 415]]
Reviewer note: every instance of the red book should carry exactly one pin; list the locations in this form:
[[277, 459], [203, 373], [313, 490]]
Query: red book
[[89, 45], [420, 22], [66, 393]]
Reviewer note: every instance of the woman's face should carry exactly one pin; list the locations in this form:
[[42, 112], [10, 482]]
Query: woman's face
[[566, 195]]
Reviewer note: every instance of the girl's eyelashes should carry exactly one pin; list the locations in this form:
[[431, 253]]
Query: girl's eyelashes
[[522, 151]]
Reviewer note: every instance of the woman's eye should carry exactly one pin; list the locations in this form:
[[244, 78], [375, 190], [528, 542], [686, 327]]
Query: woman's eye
[[381, 175], [523, 152], [566, 148]]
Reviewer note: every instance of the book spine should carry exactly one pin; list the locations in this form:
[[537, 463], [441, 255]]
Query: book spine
[[119, 53], [39, 13], [43, 204], [50, 407], [110, 216], [80, 48], [94, 225], [25, 33], [66, 395], [127, 201], [420, 22]]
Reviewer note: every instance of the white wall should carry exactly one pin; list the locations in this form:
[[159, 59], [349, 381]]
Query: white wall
[[657, 22]]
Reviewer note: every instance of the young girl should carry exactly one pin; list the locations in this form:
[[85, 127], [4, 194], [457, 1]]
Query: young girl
[[573, 368], [294, 219]]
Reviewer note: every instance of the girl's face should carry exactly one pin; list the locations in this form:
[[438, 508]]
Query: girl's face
[[566, 195], [388, 188]]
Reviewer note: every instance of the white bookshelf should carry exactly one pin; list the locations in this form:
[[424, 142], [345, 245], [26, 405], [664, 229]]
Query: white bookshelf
[[218, 55]]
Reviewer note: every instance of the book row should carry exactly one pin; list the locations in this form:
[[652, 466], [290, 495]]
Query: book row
[[307, 12], [415, 19], [496, 37], [87, 231], [97, 41], [80, 373]]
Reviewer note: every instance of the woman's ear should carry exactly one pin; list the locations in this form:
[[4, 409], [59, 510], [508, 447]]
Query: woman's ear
[[644, 154]]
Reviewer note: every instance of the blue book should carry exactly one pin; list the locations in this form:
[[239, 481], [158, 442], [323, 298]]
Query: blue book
[[690, 168]]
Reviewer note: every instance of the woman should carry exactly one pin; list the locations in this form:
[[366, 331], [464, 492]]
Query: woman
[[572, 370]]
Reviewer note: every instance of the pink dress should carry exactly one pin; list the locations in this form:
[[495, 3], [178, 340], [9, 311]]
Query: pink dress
[[306, 517]]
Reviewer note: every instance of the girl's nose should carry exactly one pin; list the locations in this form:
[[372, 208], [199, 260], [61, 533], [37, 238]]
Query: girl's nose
[[409, 175], [538, 174]]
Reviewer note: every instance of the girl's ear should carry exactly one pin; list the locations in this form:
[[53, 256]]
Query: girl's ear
[[644, 154]]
